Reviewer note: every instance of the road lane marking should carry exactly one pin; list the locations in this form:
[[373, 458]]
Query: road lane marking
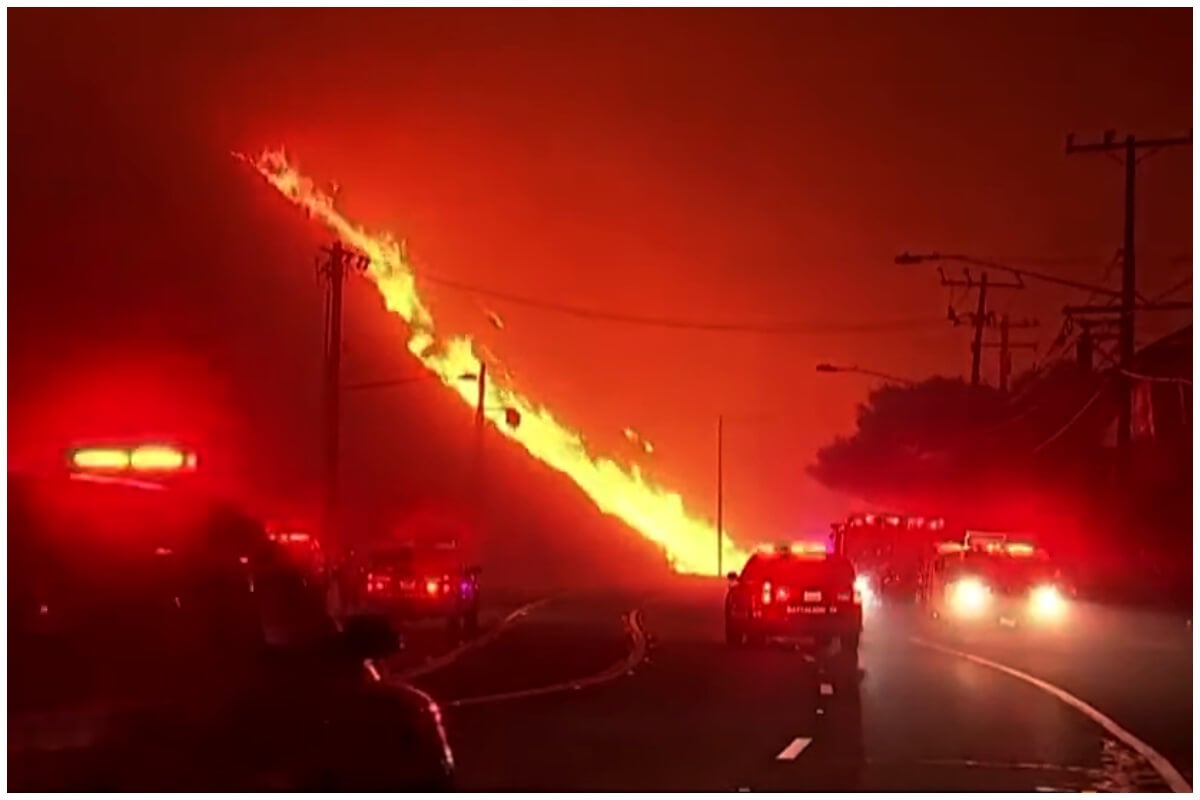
[[446, 659], [794, 749], [637, 652], [826, 689], [1165, 769]]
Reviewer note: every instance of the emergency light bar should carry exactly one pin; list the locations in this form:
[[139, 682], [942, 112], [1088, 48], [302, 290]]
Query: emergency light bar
[[795, 548], [289, 536], [895, 521], [146, 458]]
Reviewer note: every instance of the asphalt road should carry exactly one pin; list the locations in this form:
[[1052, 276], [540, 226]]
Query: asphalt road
[[638, 691]]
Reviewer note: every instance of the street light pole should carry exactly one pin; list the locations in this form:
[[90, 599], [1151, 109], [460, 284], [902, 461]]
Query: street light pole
[[831, 368], [720, 492], [392, 383], [480, 396]]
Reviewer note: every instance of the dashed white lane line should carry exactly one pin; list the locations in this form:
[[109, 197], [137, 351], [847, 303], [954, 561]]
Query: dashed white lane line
[[1165, 769], [826, 689], [794, 749]]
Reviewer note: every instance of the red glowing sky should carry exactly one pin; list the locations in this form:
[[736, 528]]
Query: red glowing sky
[[715, 165]]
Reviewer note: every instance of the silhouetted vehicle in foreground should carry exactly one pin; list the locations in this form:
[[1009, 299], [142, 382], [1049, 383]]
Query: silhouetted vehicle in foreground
[[159, 641], [794, 592]]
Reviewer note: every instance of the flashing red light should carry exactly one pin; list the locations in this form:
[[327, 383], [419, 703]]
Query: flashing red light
[[766, 593], [432, 586], [289, 537], [1020, 549]]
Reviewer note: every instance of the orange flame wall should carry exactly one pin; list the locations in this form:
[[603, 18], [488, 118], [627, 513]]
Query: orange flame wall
[[653, 511]]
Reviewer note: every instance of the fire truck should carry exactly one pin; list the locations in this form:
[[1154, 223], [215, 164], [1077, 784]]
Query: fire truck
[[888, 552], [995, 578]]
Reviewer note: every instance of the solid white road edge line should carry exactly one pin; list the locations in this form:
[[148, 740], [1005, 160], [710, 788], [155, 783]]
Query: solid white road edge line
[[794, 749], [1165, 769], [636, 654], [446, 659]]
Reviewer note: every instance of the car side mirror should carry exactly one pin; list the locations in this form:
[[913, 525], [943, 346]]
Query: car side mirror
[[731, 577], [368, 636]]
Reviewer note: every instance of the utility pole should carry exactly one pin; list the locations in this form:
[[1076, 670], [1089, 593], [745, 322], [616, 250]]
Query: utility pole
[[981, 317], [481, 397], [1006, 347], [339, 261], [720, 492], [1130, 146]]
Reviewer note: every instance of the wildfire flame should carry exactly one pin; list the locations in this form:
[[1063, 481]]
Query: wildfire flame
[[655, 512]]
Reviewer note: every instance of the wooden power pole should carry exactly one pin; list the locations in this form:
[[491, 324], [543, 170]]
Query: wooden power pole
[[1130, 146], [339, 261]]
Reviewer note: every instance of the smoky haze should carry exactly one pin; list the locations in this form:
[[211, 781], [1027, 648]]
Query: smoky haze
[[707, 165]]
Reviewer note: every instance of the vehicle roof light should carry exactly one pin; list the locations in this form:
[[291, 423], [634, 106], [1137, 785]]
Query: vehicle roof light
[[100, 458], [139, 458], [159, 458], [288, 536], [1020, 549]]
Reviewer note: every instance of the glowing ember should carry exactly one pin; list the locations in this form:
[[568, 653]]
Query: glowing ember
[[653, 511], [639, 441]]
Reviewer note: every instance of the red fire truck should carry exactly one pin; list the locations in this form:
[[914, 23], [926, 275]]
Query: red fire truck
[[888, 552]]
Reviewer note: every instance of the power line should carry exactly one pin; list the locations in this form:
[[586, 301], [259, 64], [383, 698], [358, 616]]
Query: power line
[[1153, 378], [606, 315], [1168, 292], [1054, 436]]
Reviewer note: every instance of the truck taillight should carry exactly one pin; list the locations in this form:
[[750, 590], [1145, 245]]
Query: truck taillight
[[766, 593]]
